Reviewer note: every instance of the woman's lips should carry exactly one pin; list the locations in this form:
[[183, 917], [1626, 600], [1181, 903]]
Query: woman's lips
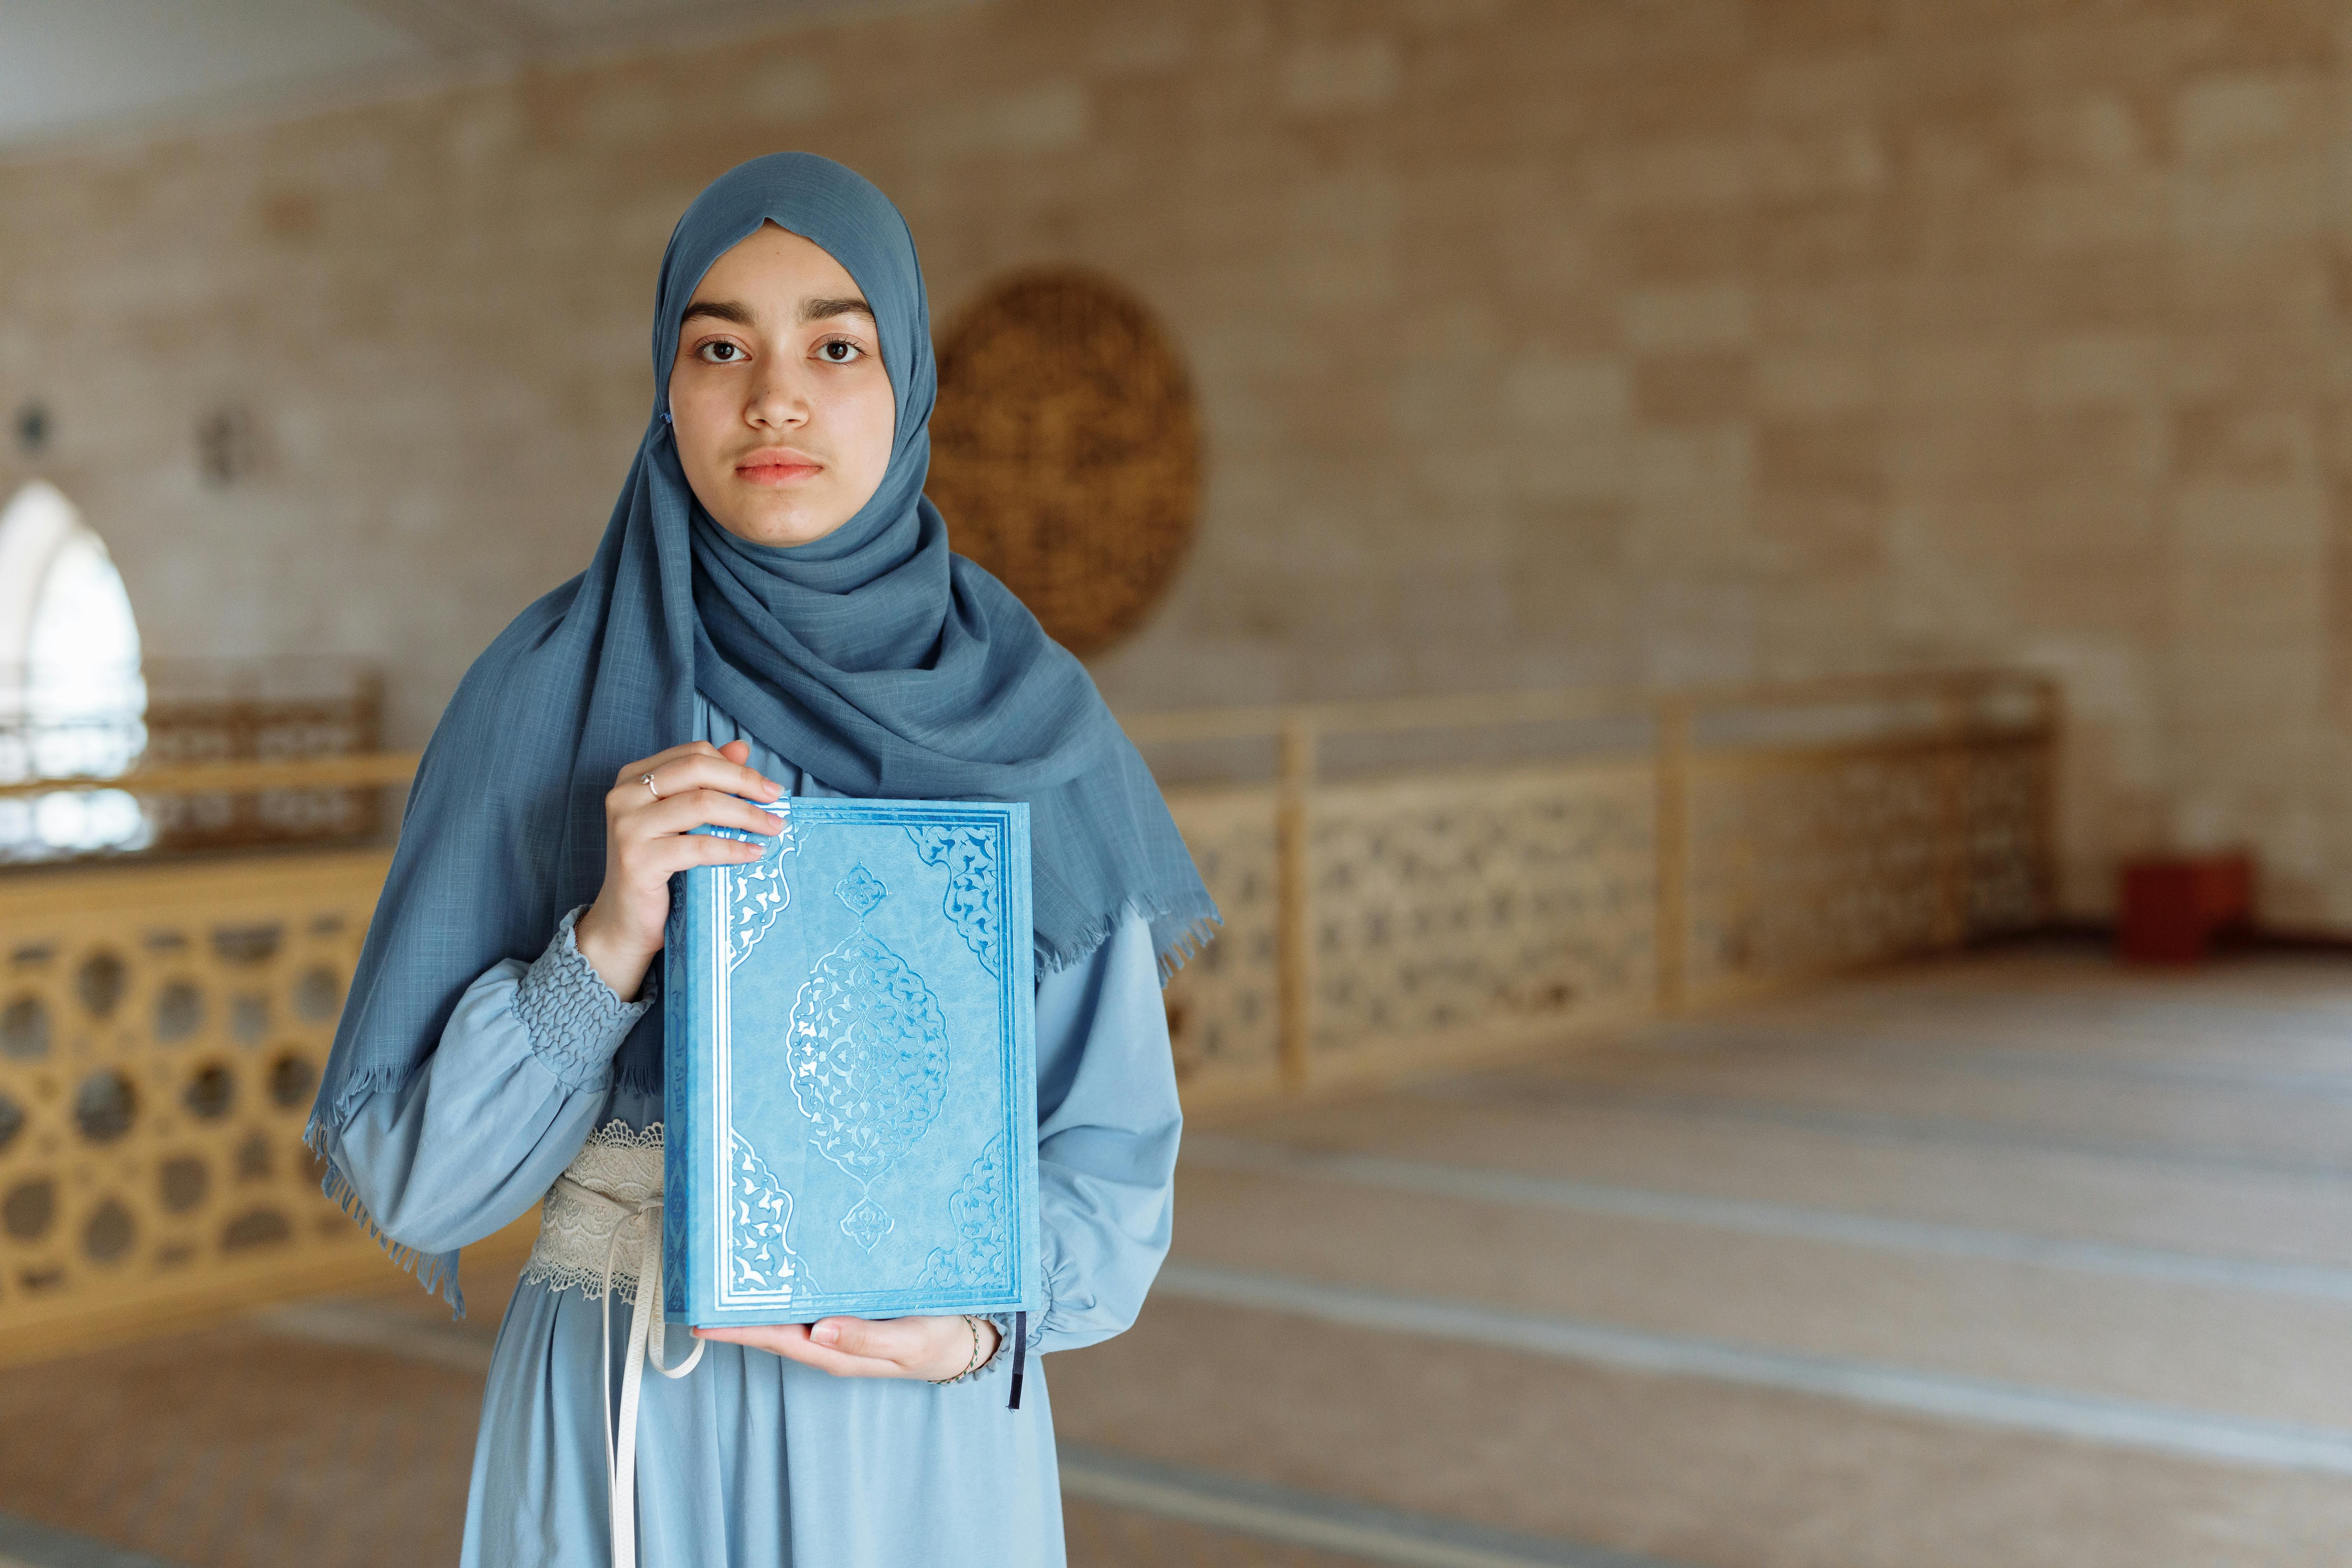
[[775, 468]]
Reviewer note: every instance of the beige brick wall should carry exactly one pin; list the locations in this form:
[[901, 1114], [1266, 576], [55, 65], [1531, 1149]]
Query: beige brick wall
[[1560, 340]]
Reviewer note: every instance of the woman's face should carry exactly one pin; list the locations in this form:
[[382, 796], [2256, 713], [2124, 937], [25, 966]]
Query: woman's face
[[782, 412]]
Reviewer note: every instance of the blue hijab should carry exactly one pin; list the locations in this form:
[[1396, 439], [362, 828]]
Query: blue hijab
[[874, 658]]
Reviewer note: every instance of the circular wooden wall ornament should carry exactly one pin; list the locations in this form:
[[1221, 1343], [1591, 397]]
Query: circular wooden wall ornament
[[1065, 454]]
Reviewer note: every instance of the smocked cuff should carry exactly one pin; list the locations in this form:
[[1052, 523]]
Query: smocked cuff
[[576, 1022], [1003, 1321], [999, 1357]]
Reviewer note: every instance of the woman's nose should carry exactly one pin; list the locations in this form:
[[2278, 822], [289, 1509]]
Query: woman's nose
[[779, 399]]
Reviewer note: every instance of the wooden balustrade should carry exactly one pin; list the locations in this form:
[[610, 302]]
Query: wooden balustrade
[[161, 1032], [1750, 838], [229, 717]]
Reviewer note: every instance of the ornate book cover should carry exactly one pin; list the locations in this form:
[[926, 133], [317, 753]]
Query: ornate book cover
[[851, 1121]]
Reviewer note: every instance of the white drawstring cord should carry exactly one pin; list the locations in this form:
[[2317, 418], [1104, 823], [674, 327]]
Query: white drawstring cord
[[645, 1347]]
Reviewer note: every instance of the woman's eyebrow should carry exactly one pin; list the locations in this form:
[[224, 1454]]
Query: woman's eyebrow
[[725, 310], [849, 305]]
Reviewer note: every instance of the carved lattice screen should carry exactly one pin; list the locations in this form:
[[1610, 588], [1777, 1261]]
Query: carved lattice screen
[[1384, 925], [161, 1032], [1468, 903]]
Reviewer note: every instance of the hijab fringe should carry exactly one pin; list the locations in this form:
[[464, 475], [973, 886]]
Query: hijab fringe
[[1174, 952], [327, 1121], [436, 1272], [1197, 934]]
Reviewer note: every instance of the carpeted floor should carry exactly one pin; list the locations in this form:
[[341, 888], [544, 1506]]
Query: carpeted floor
[[2014, 1261]]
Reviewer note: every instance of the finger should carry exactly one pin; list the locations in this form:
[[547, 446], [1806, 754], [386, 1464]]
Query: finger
[[689, 767], [790, 1341], [761, 1336], [690, 809], [637, 770], [657, 859], [710, 772], [895, 1339], [876, 1346], [715, 770]]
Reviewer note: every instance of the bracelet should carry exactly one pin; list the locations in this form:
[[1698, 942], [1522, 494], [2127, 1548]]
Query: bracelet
[[970, 1366]]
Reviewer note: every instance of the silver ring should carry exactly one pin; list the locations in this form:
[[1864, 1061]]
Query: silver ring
[[649, 785]]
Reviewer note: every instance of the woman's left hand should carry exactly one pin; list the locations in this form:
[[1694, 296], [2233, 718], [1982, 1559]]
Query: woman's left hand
[[929, 1348]]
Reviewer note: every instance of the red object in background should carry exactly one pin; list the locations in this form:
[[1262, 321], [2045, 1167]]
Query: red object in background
[[2172, 909]]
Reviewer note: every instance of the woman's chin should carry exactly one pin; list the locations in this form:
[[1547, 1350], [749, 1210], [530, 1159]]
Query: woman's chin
[[780, 528]]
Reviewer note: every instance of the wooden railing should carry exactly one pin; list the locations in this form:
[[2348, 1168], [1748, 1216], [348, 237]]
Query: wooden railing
[[1564, 859], [161, 1032], [1643, 854], [238, 719], [358, 770]]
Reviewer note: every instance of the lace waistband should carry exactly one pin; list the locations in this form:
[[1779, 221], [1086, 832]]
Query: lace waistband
[[577, 1232]]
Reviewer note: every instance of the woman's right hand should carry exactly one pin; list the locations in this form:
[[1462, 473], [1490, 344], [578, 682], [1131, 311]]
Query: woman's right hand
[[649, 835]]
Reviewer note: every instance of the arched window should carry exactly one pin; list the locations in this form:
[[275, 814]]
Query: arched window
[[72, 702]]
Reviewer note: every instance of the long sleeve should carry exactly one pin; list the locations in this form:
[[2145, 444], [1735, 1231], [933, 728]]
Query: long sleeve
[[522, 1074], [1108, 1123]]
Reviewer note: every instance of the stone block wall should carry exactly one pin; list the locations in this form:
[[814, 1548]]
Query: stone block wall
[[1537, 341]]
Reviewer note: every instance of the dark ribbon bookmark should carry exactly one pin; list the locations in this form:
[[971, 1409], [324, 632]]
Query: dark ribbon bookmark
[[1020, 1356]]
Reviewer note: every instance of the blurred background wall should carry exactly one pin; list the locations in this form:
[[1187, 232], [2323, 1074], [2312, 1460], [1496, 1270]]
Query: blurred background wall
[[1536, 343]]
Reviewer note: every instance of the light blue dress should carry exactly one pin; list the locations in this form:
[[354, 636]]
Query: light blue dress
[[753, 1461]]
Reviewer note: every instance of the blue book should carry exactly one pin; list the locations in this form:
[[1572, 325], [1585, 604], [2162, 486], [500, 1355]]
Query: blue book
[[851, 1109]]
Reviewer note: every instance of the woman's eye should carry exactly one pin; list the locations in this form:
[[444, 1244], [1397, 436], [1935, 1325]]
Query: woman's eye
[[839, 351], [721, 353]]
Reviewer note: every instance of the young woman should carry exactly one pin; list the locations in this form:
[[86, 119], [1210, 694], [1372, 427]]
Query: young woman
[[773, 608]]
